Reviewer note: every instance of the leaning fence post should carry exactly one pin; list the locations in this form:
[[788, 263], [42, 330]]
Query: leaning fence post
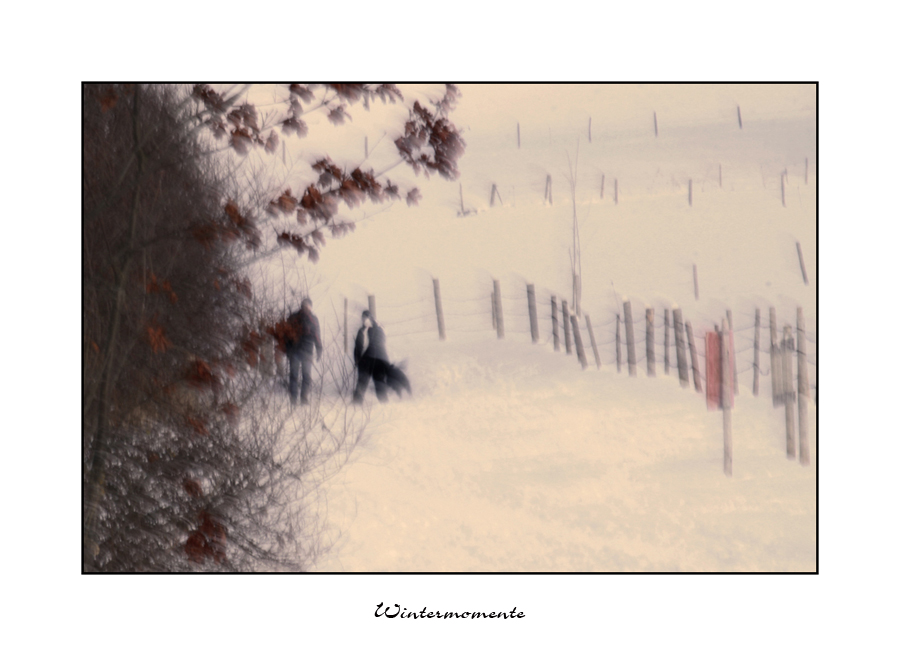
[[587, 321], [566, 328], [579, 345], [680, 354], [802, 265], [493, 312], [555, 323], [532, 314], [651, 346], [756, 354], [372, 306], [787, 348], [439, 309], [802, 388], [498, 305], [629, 339], [618, 343], [666, 341], [695, 362], [774, 360]]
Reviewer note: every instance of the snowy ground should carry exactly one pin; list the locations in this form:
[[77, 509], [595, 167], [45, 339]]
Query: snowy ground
[[509, 457]]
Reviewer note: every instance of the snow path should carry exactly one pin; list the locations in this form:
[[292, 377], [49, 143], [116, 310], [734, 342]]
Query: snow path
[[514, 460]]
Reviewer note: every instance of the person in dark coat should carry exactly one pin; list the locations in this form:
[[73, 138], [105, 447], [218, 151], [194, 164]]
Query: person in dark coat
[[303, 339], [370, 356]]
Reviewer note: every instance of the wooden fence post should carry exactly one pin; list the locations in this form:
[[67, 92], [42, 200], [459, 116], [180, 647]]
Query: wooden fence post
[[495, 192], [566, 328], [498, 305], [666, 341], [532, 314], [802, 265], [680, 354], [372, 306], [774, 360], [802, 389], [618, 344], [695, 361], [602, 181], [731, 330], [740, 122], [555, 323], [651, 346], [579, 345], [690, 192], [696, 284], [629, 339], [725, 382], [548, 189], [493, 312], [756, 354], [439, 309], [787, 348], [346, 335], [587, 321]]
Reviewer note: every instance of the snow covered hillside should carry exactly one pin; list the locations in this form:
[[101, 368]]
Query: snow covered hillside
[[509, 456]]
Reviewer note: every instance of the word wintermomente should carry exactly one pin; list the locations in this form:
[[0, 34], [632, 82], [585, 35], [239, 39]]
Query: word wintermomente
[[386, 612]]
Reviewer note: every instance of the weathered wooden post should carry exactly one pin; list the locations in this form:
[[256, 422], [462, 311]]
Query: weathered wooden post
[[602, 181], [696, 284], [616, 191], [346, 334], [802, 388], [587, 320], [774, 360], [740, 122], [579, 345], [690, 192], [726, 377], [629, 339], [372, 305], [787, 349], [532, 314], [695, 362], [498, 305], [555, 323], [666, 341], [680, 354], [731, 332], [618, 344], [495, 192], [566, 328], [802, 265], [548, 189], [493, 312], [756, 354], [651, 346], [439, 309]]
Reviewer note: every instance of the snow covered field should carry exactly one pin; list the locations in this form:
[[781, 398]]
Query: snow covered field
[[509, 457]]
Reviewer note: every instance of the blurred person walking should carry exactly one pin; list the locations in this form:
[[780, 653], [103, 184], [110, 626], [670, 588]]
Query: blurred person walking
[[370, 356], [302, 339]]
